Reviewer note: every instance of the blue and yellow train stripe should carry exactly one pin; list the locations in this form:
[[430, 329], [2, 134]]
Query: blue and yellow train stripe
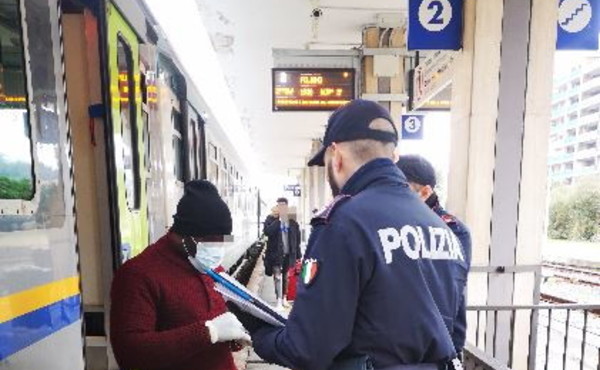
[[31, 315]]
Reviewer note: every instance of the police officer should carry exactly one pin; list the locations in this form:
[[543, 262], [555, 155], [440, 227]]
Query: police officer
[[422, 180], [377, 281]]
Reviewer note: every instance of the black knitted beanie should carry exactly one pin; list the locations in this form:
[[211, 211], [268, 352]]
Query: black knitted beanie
[[201, 211]]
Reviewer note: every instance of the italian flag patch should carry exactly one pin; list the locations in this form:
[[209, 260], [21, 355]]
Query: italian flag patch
[[310, 268]]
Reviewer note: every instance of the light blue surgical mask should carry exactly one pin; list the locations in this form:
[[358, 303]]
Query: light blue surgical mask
[[210, 254]]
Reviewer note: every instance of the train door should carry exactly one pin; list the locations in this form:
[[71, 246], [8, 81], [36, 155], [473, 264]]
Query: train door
[[86, 113], [129, 177], [196, 145], [40, 297]]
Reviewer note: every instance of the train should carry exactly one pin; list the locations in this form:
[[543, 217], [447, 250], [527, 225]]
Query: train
[[101, 128]]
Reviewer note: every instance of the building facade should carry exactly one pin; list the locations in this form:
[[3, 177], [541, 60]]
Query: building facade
[[575, 134]]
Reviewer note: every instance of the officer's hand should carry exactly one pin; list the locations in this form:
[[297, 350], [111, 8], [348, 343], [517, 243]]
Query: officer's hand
[[227, 327], [250, 322]]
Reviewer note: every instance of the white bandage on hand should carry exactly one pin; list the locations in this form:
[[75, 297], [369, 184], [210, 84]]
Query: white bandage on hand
[[226, 327]]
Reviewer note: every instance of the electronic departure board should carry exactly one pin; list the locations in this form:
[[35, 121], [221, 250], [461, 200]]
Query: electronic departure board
[[299, 89]]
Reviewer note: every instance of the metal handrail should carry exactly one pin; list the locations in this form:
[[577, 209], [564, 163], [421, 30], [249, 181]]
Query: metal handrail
[[559, 306], [587, 310], [483, 357]]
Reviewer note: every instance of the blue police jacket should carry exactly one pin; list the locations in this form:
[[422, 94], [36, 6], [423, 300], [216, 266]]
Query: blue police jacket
[[378, 279], [459, 331]]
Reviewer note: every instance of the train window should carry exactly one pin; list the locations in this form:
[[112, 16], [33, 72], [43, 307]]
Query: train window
[[195, 149], [213, 166], [144, 89], [214, 153], [213, 173], [129, 129], [178, 146], [16, 160], [224, 185], [201, 150], [177, 124], [146, 139], [179, 155]]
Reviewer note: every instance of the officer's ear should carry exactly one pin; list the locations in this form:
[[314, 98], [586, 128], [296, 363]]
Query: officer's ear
[[426, 191], [396, 155], [337, 157]]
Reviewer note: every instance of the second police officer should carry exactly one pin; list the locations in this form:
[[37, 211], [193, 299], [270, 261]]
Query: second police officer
[[377, 288], [423, 180]]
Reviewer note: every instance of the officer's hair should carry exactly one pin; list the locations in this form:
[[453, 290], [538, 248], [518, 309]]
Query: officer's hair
[[365, 150]]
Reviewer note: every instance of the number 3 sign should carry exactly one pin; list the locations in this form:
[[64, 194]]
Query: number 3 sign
[[412, 127], [435, 24]]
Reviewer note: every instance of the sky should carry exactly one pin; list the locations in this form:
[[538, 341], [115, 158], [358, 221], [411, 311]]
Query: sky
[[14, 144]]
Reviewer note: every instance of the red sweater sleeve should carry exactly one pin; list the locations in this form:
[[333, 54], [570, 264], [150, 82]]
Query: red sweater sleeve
[[135, 340]]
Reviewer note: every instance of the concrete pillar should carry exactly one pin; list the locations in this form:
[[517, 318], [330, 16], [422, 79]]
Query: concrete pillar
[[501, 101]]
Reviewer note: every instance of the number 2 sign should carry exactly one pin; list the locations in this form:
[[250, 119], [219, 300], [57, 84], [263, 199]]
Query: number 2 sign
[[435, 24]]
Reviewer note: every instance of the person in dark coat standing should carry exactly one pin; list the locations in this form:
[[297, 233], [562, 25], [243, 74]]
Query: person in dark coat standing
[[283, 247]]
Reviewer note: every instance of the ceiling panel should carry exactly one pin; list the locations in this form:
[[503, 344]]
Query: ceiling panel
[[245, 33]]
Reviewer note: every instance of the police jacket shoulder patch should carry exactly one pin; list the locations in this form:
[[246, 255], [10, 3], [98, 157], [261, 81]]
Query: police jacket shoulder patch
[[324, 214], [447, 218], [310, 269]]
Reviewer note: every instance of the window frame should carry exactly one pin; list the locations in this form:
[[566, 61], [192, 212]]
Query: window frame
[[135, 149], [212, 161], [26, 207], [179, 153]]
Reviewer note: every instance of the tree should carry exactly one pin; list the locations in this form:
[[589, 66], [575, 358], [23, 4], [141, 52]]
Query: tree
[[15, 189], [575, 211]]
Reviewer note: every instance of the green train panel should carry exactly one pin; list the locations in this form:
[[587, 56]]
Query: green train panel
[[130, 176]]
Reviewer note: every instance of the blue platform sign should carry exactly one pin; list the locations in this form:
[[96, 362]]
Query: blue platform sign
[[412, 126], [577, 25], [435, 24]]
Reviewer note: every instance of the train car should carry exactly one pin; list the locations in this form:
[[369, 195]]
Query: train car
[[101, 129]]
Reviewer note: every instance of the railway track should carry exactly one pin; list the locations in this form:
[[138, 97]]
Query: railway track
[[550, 298], [575, 274]]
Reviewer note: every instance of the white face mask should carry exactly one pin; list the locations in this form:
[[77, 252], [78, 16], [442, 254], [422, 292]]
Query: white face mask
[[210, 254]]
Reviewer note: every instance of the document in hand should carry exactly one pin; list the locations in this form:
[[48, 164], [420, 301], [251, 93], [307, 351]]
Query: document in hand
[[236, 293]]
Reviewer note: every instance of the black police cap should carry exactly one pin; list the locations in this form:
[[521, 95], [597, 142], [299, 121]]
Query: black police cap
[[351, 122], [417, 169]]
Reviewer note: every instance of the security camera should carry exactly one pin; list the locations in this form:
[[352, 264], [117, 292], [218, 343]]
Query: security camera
[[316, 13]]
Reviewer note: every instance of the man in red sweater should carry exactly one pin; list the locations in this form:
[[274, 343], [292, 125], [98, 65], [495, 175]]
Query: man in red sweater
[[165, 314]]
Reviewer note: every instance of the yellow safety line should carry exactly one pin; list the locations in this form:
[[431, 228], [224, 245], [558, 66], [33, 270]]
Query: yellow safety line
[[18, 304]]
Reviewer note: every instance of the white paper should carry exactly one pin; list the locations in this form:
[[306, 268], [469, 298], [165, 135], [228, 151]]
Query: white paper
[[244, 305]]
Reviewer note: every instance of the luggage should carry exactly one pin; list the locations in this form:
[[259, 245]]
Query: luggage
[[292, 280]]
